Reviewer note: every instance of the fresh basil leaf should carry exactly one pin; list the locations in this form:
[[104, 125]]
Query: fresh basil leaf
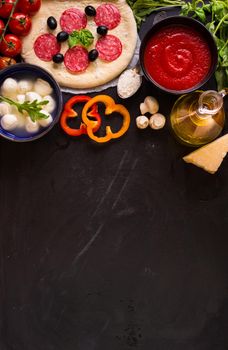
[[219, 8], [207, 8], [200, 14], [210, 26], [80, 37]]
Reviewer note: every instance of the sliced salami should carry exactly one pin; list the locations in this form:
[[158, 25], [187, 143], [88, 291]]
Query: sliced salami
[[109, 48], [73, 19], [46, 46], [107, 15], [76, 59]]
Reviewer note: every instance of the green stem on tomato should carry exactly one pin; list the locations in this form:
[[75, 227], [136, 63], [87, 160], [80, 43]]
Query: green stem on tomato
[[2, 36]]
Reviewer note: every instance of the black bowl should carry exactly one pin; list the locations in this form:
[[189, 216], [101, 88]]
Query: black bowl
[[186, 22], [22, 70]]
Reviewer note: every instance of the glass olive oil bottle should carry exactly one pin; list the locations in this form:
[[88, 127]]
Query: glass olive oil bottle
[[198, 118]]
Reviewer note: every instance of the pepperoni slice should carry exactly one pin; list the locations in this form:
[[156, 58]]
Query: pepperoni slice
[[46, 46], [107, 15], [73, 19], [109, 48], [76, 59]]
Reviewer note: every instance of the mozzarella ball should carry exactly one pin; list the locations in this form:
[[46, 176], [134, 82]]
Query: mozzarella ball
[[142, 122], [30, 126], [5, 108], [42, 87], [21, 98], [9, 88], [21, 120], [32, 96], [14, 110], [45, 122], [51, 104], [9, 122], [157, 121], [25, 86]]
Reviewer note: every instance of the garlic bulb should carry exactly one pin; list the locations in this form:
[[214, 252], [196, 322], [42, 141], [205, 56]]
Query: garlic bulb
[[128, 84]]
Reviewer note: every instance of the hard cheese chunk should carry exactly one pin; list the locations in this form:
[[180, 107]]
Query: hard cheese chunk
[[209, 157]]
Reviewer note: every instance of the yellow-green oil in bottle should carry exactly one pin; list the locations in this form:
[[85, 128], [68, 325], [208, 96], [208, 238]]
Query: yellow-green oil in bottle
[[198, 118]]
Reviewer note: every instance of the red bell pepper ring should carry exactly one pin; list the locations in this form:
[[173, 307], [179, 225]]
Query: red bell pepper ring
[[69, 112]]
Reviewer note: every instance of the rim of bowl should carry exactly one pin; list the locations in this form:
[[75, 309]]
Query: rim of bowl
[[57, 91], [185, 21]]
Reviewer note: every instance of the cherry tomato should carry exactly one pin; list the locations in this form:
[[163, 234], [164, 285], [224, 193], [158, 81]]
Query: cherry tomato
[[20, 24], [6, 8], [11, 45], [6, 61], [2, 26], [29, 6]]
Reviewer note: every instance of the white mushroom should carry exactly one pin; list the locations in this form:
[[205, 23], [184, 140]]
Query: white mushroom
[[32, 96], [150, 105], [9, 122], [21, 98], [25, 86], [142, 122], [9, 88], [45, 122], [30, 126], [51, 104], [157, 121], [5, 108], [42, 87]]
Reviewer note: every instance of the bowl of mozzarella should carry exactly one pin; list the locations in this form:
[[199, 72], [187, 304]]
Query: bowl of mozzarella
[[30, 102]]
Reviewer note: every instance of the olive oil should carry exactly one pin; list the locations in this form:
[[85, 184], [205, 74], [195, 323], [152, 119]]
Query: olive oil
[[198, 118]]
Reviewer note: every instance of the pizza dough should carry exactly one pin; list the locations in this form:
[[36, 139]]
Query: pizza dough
[[98, 72]]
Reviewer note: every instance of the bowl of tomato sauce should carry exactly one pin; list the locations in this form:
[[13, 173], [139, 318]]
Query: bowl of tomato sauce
[[178, 55]]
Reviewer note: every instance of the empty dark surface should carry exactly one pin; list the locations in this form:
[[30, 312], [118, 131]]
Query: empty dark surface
[[114, 247]]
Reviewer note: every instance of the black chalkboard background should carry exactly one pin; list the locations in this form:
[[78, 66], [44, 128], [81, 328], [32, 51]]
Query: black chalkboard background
[[114, 247]]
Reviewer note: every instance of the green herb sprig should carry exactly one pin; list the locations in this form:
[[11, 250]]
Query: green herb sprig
[[32, 108], [143, 8], [80, 37]]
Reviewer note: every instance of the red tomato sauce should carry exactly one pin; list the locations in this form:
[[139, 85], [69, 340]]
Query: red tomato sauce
[[177, 57]]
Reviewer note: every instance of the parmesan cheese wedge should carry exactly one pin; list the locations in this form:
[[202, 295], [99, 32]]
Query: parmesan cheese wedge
[[209, 157]]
